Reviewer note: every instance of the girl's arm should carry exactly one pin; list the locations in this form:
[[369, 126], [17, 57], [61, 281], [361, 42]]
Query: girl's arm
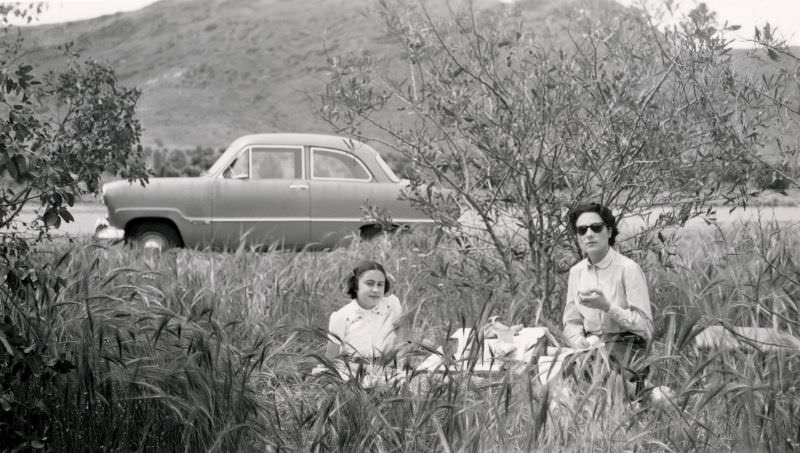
[[399, 322], [332, 350], [335, 330]]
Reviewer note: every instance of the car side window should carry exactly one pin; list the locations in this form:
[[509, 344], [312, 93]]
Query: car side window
[[330, 164], [277, 163]]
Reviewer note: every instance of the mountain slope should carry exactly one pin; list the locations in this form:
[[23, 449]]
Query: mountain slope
[[211, 70]]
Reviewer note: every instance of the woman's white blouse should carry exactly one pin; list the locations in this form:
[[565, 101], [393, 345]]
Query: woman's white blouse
[[363, 332], [623, 283]]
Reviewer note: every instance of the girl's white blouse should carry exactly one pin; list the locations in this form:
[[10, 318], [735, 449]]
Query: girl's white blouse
[[366, 333]]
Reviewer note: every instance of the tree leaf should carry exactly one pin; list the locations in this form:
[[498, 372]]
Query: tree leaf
[[12, 170], [6, 344], [51, 218], [5, 403], [66, 215], [772, 55]]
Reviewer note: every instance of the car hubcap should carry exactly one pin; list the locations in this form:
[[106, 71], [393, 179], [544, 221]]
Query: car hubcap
[[153, 242]]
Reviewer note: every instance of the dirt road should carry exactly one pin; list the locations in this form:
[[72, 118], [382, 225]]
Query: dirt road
[[780, 214], [86, 215]]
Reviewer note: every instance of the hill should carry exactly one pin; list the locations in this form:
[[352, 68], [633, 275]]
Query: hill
[[211, 70]]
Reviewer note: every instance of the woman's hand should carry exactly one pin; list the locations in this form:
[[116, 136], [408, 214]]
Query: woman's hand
[[594, 298]]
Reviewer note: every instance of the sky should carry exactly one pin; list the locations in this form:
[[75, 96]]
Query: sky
[[784, 14], [69, 10]]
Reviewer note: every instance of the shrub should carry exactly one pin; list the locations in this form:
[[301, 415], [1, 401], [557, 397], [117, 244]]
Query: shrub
[[522, 118]]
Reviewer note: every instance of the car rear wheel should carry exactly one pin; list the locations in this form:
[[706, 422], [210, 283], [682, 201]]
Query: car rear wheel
[[155, 236], [370, 232]]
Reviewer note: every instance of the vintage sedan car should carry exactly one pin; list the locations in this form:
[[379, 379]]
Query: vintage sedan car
[[292, 190]]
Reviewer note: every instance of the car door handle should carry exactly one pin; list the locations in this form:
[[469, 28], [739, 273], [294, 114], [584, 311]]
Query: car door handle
[[298, 186]]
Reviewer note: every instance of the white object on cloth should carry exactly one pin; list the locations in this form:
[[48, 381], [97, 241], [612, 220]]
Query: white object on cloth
[[549, 366], [721, 338], [496, 353]]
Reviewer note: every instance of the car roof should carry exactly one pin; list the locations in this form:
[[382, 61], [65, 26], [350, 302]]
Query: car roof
[[361, 150], [321, 140]]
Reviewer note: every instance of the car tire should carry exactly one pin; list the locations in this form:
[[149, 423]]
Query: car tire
[[155, 235], [370, 232]]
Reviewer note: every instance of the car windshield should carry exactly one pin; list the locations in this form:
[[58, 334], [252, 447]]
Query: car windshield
[[217, 167]]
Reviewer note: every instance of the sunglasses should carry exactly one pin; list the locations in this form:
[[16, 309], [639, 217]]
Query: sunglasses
[[596, 227]]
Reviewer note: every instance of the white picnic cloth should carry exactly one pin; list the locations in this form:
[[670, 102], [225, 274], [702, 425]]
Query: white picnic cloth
[[516, 350], [549, 366]]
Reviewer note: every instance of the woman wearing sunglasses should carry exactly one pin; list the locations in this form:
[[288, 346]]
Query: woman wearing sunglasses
[[607, 298]]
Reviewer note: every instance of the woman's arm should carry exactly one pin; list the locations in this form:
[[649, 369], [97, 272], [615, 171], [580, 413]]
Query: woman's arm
[[637, 317], [572, 319]]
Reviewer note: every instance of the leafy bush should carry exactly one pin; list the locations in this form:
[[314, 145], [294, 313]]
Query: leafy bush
[[179, 162], [60, 133], [521, 118]]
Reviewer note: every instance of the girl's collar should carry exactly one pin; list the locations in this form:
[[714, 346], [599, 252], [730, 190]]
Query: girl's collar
[[375, 309]]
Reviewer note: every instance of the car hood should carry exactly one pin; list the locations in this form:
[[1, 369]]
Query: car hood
[[153, 184], [158, 191]]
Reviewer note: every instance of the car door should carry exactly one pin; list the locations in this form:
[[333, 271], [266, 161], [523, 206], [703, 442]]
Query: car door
[[262, 198], [340, 186]]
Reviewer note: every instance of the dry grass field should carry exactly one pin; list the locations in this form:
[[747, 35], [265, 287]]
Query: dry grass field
[[200, 351]]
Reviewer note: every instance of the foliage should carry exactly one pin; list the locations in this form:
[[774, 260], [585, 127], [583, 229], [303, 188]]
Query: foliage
[[60, 133], [25, 361], [142, 369], [213, 351], [24, 421], [518, 120], [783, 170], [178, 162]]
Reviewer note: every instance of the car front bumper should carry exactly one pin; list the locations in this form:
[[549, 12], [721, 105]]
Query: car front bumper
[[105, 231]]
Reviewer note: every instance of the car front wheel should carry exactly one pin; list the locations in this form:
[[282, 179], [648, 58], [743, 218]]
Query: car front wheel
[[155, 236]]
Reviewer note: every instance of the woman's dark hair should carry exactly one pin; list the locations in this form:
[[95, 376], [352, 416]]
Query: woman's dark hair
[[351, 284], [605, 214]]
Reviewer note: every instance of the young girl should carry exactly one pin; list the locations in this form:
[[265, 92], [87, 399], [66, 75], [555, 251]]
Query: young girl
[[367, 326]]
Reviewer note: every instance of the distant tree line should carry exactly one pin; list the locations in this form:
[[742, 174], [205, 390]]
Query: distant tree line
[[165, 162]]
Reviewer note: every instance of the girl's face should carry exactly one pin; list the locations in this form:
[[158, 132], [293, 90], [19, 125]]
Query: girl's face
[[371, 286]]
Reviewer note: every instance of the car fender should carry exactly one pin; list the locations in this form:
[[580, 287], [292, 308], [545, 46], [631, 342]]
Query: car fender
[[185, 202]]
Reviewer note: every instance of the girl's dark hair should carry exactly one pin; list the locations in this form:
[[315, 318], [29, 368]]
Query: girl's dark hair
[[604, 213], [351, 284]]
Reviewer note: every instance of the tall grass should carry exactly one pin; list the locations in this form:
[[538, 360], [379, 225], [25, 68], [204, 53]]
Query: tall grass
[[202, 351]]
